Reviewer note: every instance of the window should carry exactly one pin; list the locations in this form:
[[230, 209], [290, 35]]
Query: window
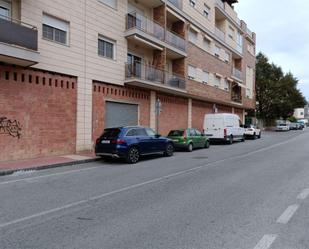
[[110, 3], [226, 85], [206, 11], [205, 77], [192, 36], [106, 47], [191, 72], [198, 133], [217, 81], [55, 29], [192, 3], [251, 49], [231, 32], [217, 51], [206, 44], [150, 132], [226, 57], [5, 9]]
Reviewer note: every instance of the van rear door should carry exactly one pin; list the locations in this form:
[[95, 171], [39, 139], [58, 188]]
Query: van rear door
[[214, 127]]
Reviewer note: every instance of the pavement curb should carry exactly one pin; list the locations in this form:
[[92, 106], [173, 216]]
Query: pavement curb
[[49, 166]]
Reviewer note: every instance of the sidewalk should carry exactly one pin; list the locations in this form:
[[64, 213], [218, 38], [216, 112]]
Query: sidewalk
[[7, 168]]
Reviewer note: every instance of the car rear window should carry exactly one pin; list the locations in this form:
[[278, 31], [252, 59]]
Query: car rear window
[[176, 133], [111, 133], [282, 124]]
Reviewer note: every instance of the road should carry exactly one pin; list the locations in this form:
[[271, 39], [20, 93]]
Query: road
[[240, 196]]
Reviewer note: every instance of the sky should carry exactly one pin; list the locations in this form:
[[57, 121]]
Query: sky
[[282, 28]]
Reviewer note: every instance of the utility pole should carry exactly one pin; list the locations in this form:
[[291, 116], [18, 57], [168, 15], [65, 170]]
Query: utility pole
[[158, 112]]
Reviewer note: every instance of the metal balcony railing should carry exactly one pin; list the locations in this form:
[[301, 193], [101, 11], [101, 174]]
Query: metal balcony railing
[[175, 40], [236, 98], [154, 75], [18, 33], [220, 34], [177, 3], [237, 73], [138, 21]]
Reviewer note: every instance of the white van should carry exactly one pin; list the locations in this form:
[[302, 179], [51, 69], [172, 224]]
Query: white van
[[224, 126]]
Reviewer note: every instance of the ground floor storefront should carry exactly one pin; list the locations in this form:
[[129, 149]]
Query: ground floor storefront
[[38, 112]]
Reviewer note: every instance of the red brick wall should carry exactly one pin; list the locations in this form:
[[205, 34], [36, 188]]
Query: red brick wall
[[239, 112], [45, 106], [103, 92], [199, 109], [174, 113]]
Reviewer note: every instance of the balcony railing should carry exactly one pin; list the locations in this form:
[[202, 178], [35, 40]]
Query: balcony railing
[[177, 3], [138, 21], [250, 33], [175, 40], [154, 75], [18, 33], [237, 73], [236, 98], [220, 34]]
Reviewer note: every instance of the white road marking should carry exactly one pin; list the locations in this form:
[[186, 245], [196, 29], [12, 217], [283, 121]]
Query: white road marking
[[94, 198], [287, 214], [44, 176], [266, 241], [304, 194]]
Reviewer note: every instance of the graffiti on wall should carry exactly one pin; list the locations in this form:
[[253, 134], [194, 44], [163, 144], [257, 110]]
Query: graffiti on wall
[[10, 127]]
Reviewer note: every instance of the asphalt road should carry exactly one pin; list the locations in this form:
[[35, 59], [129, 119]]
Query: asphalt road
[[248, 195]]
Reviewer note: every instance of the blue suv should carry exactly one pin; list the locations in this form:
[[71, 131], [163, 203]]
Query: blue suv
[[131, 142]]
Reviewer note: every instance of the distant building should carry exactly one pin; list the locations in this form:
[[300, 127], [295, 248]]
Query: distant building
[[299, 113], [306, 110]]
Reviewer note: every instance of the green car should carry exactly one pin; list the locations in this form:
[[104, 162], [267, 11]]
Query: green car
[[188, 139]]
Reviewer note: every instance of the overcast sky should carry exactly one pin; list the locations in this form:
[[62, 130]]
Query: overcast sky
[[282, 28]]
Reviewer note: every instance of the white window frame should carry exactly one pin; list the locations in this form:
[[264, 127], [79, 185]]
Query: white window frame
[[56, 24], [208, 42], [6, 6], [192, 3], [192, 72], [216, 83], [226, 85], [227, 57], [217, 51], [109, 4], [205, 77], [106, 39], [206, 11]]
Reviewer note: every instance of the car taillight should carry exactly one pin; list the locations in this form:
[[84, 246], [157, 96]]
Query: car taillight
[[118, 141], [97, 141], [225, 132]]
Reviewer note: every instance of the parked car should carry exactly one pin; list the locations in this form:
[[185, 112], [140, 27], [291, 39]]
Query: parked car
[[252, 131], [283, 127], [302, 125], [188, 139], [295, 126], [132, 142], [224, 127]]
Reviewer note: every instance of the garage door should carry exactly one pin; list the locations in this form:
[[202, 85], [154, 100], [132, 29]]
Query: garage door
[[120, 114]]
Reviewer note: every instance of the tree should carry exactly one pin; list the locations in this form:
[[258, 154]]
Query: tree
[[276, 93]]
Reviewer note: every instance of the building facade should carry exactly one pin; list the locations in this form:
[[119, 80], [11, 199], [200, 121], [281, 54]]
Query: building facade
[[69, 69]]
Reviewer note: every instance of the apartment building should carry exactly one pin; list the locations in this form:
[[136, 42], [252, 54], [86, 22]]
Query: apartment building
[[71, 68]]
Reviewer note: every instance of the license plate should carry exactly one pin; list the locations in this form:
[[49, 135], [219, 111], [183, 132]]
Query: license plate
[[105, 142], [175, 140]]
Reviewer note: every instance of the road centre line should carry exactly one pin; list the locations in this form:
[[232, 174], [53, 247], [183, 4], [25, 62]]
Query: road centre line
[[287, 214], [266, 241]]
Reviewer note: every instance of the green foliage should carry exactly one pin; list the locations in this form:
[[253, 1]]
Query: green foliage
[[276, 93], [292, 119]]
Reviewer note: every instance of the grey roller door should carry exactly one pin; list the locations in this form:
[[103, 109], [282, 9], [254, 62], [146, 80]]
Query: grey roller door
[[120, 114]]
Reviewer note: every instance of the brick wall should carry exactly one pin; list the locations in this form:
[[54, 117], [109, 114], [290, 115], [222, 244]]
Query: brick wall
[[45, 106], [239, 112], [103, 92], [174, 113], [199, 109]]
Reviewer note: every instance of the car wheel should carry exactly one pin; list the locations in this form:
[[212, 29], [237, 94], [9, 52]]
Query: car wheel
[[190, 147], [133, 155], [260, 135], [207, 144], [231, 139], [169, 151]]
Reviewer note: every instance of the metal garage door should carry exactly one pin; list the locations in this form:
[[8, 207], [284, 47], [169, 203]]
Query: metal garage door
[[120, 114]]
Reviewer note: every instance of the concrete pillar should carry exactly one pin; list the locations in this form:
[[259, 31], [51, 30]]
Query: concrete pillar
[[189, 113], [233, 110], [152, 110]]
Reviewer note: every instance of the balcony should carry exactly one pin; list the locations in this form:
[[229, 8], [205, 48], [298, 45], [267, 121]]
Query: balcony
[[18, 42], [220, 4], [143, 29], [220, 34], [236, 98], [147, 76], [250, 33], [177, 3], [237, 74]]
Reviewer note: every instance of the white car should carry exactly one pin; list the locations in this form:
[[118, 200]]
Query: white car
[[252, 131], [224, 127], [283, 127]]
